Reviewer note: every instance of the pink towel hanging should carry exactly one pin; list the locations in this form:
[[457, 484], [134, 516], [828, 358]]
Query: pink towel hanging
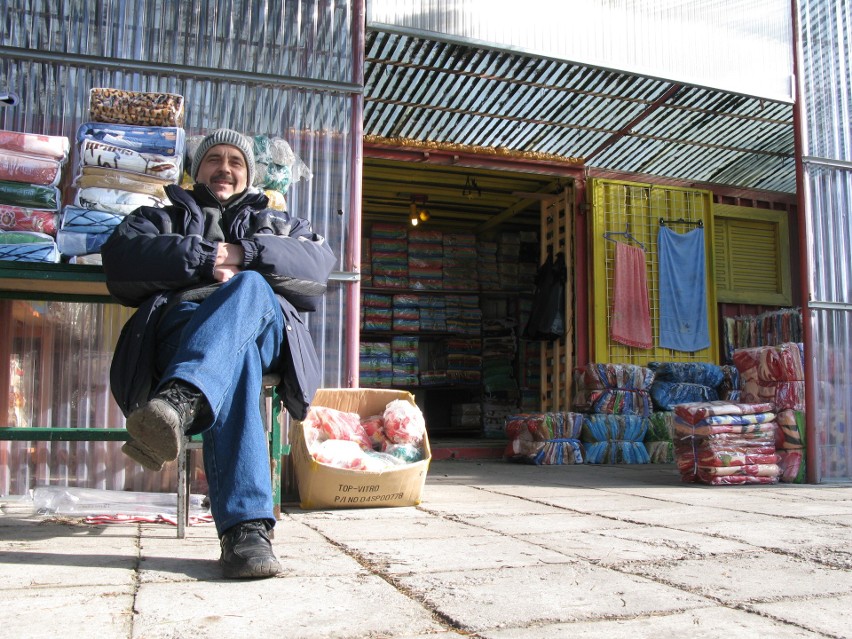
[[630, 323]]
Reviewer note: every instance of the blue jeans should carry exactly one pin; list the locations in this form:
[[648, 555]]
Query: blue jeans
[[223, 346]]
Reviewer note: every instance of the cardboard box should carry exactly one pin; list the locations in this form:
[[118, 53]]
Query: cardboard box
[[324, 486]]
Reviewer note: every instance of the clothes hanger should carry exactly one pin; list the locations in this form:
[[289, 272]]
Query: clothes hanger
[[610, 235]]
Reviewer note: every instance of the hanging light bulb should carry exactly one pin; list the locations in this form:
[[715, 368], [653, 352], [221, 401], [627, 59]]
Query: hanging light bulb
[[414, 217]]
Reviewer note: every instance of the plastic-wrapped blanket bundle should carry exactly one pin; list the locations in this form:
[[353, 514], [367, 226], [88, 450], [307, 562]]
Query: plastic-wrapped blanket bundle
[[726, 443], [544, 438], [659, 438], [132, 147], [27, 246], [617, 389], [84, 231], [790, 445], [31, 167], [773, 374], [684, 382], [615, 439]]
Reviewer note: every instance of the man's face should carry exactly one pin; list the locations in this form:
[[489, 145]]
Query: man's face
[[223, 168]]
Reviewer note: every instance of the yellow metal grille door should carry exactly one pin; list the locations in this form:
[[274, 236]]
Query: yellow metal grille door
[[632, 212]]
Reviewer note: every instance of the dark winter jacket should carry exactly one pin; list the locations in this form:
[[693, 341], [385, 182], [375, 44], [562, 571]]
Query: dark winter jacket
[[157, 256]]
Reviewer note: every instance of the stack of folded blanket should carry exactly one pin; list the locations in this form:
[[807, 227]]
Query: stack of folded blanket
[[684, 382], [129, 150], [777, 374], [31, 168], [544, 438], [614, 389], [615, 439], [658, 440], [721, 443], [773, 374]]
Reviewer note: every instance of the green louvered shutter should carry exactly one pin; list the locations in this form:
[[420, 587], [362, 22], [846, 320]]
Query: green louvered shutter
[[751, 256]]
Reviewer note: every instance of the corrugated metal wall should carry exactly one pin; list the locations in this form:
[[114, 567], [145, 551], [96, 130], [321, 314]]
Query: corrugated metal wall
[[280, 69], [825, 32], [743, 46]]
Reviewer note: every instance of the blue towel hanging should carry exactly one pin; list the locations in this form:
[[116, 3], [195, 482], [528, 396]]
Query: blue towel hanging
[[683, 290]]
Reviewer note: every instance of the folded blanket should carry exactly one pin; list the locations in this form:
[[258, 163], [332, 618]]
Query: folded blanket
[[606, 427], [660, 452], [782, 363], [702, 373], [695, 412], [660, 426], [16, 218], [619, 401], [702, 429], [620, 376], [98, 154], [667, 395], [80, 243], [106, 178], [791, 430], [114, 200], [55, 147], [136, 108], [792, 464], [26, 246], [33, 196], [29, 169], [546, 426], [82, 220], [160, 140], [616, 452]]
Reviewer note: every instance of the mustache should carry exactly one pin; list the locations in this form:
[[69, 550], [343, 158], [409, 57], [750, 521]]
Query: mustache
[[221, 176]]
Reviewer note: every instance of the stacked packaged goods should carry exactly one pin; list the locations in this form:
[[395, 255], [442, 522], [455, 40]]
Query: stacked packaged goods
[[433, 313], [376, 312], [375, 365], [31, 169], [460, 268], [131, 148], [618, 402], [389, 246], [659, 439], [776, 374], [615, 439], [406, 313], [406, 360], [489, 271], [544, 438], [508, 257], [425, 259], [684, 382], [726, 443], [622, 389]]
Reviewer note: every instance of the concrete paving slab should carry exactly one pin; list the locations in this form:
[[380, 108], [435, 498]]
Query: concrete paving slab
[[561, 522], [196, 559], [701, 623], [615, 547], [424, 526], [48, 613], [829, 615], [296, 608], [406, 556], [782, 533], [749, 578], [535, 595], [53, 552]]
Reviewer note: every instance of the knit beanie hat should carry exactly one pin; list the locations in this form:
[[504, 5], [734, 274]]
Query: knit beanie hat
[[225, 136]]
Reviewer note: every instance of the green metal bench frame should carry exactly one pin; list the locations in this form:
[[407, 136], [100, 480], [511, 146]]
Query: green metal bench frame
[[87, 283]]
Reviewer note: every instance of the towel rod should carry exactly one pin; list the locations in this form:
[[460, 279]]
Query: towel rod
[[681, 220]]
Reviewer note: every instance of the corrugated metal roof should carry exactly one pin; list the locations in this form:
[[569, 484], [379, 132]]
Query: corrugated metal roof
[[430, 91]]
